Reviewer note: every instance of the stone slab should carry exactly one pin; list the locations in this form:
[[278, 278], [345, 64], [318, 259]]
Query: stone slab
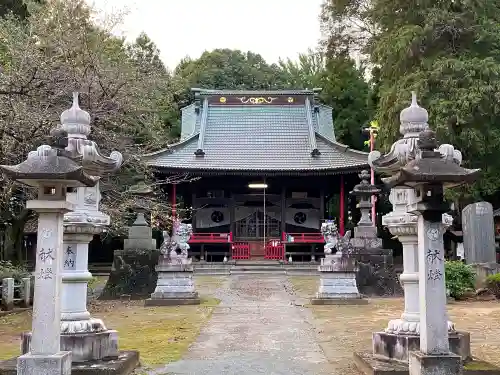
[[396, 347], [478, 233], [171, 301], [339, 301], [442, 364], [83, 346], [41, 364], [369, 364], [125, 364]]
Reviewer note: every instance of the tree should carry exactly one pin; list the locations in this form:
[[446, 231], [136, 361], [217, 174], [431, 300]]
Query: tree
[[343, 88], [347, 27], [17, 8], [448, 52], [58, 50], [225, 69]]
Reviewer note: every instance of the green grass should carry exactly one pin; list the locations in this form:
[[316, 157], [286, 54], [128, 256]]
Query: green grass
[[160, 334]]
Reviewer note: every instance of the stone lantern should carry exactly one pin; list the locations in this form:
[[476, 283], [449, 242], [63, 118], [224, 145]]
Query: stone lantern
[[52, 172], [140, 233], [402, 334], [365, 233], [405, 334], [81, 333], [86, 337], [428, 174]]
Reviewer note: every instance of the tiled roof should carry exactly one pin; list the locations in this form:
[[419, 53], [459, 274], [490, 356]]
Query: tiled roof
[[267, 138]]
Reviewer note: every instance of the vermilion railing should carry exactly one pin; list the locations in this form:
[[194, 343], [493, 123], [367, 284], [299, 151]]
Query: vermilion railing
[[274, 250], [211, 238], [240, 250], [302, 237]]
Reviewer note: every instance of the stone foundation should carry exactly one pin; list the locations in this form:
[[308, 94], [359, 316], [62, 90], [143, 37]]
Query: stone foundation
[[125, 364], [424, 364], [84, 346], [132, 274], [368, 364], [338, 285], [336, 301], [396, 347], [36, 364], [174, 286]]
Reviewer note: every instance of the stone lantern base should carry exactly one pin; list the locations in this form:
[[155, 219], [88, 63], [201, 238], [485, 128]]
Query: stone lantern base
[[396, 347], [84, 347], [337, 282], [125, 364], [175, 286], [369, 364]]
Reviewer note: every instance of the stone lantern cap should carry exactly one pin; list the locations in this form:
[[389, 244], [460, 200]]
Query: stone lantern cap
[[364, 188], [141, 189], [432, 166], [76, 122], [50, 164]]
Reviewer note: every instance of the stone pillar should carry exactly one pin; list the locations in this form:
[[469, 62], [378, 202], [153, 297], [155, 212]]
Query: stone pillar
[[45, 355], [8, 293], [86, 337], [75, 279], [434, 356], [404, 225], [402, 334]]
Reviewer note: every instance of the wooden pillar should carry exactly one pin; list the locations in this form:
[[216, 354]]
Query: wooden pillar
[[321, 206], [232, 215], [283, 210], [173, 201], [342, 199], [193, 211]]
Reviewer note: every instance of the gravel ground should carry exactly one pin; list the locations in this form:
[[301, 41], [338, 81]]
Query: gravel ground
[[260, 327]]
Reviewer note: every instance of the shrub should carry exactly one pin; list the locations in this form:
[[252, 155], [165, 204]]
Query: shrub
[[493, 282], [7, 269], [459, 278]]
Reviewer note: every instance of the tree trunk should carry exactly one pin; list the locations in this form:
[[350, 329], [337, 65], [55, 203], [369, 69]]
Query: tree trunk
[[14, 233]]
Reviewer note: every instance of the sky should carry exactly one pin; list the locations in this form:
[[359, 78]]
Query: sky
[[272, 28]]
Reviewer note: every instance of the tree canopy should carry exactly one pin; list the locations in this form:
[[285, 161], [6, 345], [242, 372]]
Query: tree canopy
[[123, 86], [343, 88], [447, 51]]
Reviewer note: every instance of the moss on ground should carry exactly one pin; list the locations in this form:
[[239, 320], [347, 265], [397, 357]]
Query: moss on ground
[[160, 334], [305, 286], [477, 365]]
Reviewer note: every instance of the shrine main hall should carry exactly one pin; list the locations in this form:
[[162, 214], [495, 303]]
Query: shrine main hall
[[266, 171]]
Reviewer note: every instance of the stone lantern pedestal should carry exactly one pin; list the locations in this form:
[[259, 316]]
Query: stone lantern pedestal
[[337, 282], [175, 284], [337, 270]]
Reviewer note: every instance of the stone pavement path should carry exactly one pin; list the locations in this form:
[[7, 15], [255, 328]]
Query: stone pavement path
[[258, 328]]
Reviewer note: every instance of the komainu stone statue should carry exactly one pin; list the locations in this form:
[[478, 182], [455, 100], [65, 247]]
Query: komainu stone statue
[[175, 270], [330, 233], [337, 269]]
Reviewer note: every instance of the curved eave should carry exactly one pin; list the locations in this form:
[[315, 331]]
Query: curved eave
[[363, 156], [170, 147], [258, 172]]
